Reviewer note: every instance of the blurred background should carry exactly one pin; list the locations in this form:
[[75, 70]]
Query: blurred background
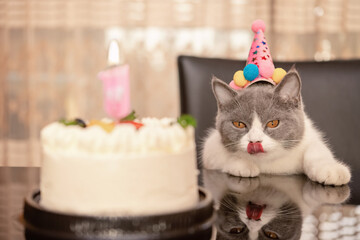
[[51, 52]]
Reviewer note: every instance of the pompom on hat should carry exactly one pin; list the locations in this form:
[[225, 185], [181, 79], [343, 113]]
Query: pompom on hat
[[259, 65]]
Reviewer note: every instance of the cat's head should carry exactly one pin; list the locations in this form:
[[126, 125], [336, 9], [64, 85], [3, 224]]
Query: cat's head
[[261, 118], [265, 213]]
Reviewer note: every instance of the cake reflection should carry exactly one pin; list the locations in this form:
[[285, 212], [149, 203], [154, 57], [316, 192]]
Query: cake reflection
[[267, 207]]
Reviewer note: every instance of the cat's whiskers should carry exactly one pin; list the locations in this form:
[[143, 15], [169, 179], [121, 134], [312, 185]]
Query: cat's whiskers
[[286, 211], [289, 212], [217, 154], [289, 140], [230, 144], [228, 204], [290, 216], [241, 210]]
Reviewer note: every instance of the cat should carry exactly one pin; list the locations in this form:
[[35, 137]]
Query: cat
[[264, 129], [267, 207]]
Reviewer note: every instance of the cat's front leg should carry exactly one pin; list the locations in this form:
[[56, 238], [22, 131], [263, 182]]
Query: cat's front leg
[[315, 194], [240, 167], [321, 166], [215, 156], [241, 184]]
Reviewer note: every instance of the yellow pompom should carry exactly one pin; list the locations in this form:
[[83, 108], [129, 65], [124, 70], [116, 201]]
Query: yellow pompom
[[239, 78], [278, 75]]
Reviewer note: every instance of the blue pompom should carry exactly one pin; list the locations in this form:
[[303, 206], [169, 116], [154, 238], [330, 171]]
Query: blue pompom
[[251, 71]]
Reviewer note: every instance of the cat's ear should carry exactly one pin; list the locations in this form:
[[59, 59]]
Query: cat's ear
[[290, 86], [292, 69], [222, 91]]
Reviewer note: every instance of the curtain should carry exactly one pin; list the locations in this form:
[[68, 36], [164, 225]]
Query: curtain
[[51, 52]]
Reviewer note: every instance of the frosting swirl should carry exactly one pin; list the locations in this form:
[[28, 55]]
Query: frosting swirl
[[155, 136]]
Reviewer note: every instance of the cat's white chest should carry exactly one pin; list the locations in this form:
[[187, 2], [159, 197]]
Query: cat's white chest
[[283, 162]]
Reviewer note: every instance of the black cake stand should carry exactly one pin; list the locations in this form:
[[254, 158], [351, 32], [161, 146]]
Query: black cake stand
[[192, 224]]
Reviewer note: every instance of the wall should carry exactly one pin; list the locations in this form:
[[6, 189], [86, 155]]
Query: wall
[[51, 52]]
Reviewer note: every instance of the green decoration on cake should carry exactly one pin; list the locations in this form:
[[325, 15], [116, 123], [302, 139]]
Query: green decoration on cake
[[186, 120], [74, 122], [130, 117]]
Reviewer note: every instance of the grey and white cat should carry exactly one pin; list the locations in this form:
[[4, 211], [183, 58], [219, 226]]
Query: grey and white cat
[[264, 129], [267, 207]]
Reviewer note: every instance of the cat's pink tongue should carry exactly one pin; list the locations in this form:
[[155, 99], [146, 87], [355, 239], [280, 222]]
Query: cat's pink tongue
[[255, 147], [254, 211]]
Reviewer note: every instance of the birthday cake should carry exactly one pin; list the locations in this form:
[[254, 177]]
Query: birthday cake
[[127, 168]]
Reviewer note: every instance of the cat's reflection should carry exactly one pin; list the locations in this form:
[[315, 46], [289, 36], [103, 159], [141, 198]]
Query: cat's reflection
[[267, 207]]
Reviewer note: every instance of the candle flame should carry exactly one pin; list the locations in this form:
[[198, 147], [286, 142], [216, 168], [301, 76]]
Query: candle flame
[[113, 54]]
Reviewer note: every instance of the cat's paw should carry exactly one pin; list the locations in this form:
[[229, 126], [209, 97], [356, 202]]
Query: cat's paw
[[330, 174], [241, 169], [325, 194], [242, 185]]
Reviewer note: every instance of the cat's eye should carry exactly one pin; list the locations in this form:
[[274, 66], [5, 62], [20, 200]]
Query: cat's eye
[[273, 124], [271, 235], [236, 230], [239, 124]]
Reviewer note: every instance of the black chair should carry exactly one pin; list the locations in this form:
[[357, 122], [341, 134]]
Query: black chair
[[330, 90]]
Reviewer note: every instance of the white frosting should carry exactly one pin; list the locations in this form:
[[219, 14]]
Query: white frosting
[[157, 135], [125, 172]]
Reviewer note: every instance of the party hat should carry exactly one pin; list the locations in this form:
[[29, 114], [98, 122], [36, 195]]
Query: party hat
[[259, 65]]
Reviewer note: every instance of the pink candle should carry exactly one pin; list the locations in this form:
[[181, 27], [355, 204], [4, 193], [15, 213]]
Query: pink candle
[[116, 85]]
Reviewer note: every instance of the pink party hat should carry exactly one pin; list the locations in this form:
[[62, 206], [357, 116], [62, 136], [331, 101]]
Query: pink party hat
[[259, 65]]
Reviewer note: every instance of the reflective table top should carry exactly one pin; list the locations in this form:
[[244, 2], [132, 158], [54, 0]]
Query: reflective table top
[[266, 207], [280, 207]]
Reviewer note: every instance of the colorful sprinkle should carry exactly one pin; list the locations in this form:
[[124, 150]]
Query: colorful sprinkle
[[136, 124], [108, 127]]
